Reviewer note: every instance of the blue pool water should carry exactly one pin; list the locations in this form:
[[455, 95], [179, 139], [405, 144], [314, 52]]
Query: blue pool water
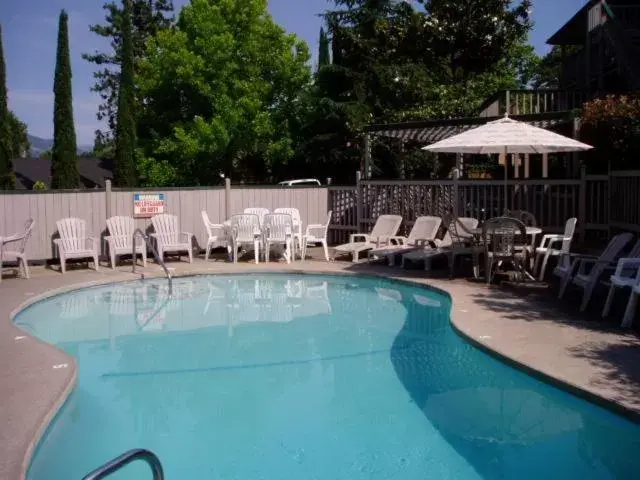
[[305, 377]]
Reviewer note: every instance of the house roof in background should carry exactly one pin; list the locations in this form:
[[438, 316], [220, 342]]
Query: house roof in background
[[93, 172]]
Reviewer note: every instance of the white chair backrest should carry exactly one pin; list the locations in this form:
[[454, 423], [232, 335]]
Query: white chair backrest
[[277, 226], [73, 234], [21, 237], [610, 253], [386, 226], [425, 227], [569, 230], [207, 223], [294, 212], [259, 211], [121, 230], [166, 227], [245, 226]]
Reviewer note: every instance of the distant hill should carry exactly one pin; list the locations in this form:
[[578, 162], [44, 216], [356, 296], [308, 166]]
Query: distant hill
[[39, 145]]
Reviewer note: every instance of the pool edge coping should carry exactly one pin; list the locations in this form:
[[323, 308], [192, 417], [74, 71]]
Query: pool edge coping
[[59, 401]]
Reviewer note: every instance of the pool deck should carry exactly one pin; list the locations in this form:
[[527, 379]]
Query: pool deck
[[590, 358]]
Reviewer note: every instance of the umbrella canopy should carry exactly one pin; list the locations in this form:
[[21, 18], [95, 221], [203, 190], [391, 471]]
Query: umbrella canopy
[[507, 136]]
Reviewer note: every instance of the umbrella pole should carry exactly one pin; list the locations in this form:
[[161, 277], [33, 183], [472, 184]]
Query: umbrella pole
[[506, 179]]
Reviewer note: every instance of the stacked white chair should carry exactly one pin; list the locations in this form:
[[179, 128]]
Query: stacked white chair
[[245, 230], [278, 230]]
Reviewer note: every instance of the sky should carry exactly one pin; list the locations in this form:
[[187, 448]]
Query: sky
[[29, 29]]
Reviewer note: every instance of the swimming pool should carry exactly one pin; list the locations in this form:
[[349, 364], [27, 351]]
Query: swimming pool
[[305, 376]]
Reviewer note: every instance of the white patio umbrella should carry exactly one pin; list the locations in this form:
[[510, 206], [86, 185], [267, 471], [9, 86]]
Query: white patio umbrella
[[506, 135]]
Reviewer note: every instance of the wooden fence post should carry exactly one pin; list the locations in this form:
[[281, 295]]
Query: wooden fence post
[[227, 197], [358, 201], [107, 194], [582, 204]]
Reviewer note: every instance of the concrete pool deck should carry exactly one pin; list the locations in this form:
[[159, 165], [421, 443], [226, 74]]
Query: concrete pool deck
[[600, 362]]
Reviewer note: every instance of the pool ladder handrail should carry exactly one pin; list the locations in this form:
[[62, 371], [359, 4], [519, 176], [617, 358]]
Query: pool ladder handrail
[[151, 247], [126, 458]]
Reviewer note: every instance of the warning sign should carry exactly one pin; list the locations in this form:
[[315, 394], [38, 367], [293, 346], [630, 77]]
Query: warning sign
[[147, 205]]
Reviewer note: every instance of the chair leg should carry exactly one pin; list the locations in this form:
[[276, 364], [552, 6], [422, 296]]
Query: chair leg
[[609, 301], [206, 252], [190, 252], [289, 251], [96, 262], [563, 285], [586, 296], [326, 250], [627, 320], [113, 260], [256, 249], [63, 266], [25, 267], [543, 268]]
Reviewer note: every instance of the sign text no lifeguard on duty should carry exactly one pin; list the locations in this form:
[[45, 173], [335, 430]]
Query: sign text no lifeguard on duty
[[147, 205]]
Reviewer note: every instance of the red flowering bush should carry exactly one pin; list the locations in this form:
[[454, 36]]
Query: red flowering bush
[[612, 126]]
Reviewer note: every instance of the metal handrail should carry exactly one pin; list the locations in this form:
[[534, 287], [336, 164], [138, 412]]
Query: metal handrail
[[126, 458], [160, 261]]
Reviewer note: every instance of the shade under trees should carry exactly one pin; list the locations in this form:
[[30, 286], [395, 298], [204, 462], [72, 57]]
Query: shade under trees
[[64, 161]]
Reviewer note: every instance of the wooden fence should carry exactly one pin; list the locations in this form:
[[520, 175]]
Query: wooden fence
[[95, 206], [600, 202]]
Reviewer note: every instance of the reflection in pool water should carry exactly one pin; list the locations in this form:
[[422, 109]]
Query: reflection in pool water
[[300, 376]]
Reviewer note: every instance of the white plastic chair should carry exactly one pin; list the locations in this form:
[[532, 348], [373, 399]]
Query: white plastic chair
[[16, 255], [75, 243], [621, 278], [168, 236], [278, 229], [297, 226], [120, 239], [245, 230], [259, 211], [386, 226], [422, 234], [629, 312], [588, 279], [216, 234], [546, 248], [316, 233]]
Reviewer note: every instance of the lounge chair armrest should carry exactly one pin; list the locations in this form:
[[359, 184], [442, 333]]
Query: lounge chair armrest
[[549, 239], [317, 228], [92, 242], [364, 236], [625, 264], [424, 242], [186, 236], [398, 239]]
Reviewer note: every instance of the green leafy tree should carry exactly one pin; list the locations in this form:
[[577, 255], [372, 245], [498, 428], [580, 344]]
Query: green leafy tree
[[547, 73], [323, 49], [221, 95], [64, 161], [7, 177], [147, 18], [20, 144], [126, 174]]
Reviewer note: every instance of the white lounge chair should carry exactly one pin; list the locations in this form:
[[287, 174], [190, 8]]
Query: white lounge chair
[[624, 275], [588, 279], [18, 242], [546, 248], [629, 312], [316, 233], [423, 233], [75, 243], [120, 239], [244, 230], [216, 234], [386, 227], [277, 228], [168, 236]]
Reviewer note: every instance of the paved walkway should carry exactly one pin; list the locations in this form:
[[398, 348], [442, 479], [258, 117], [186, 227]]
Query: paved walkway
[[35, 378]]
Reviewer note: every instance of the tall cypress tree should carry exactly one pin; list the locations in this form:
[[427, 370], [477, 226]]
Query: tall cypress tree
[[323, 50], [64, 160], [7, 177], [126, 173]]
